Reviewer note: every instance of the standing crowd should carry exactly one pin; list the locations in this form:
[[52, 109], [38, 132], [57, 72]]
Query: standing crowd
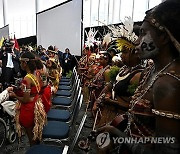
[[29, 79], [132, 83], [130, 80]]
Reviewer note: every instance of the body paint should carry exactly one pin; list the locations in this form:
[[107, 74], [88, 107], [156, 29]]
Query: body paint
[[148, 48]]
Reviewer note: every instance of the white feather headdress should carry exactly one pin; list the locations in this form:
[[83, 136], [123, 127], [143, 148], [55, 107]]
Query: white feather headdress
[[107, 39], [91, 38], [125, 30], [123, 34]]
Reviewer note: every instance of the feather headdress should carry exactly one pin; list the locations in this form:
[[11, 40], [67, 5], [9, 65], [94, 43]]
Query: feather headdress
[[107, 39], [123, 34], [91, 38]]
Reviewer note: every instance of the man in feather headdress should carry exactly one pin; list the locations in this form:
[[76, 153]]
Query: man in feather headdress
[[158, 93]]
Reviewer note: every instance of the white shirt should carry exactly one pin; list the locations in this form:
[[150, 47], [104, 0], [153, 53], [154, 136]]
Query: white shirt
[[9, 61]]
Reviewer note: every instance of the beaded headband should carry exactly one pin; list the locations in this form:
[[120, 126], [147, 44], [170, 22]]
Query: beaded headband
[[155, 23], [52, 51], [26, 59]]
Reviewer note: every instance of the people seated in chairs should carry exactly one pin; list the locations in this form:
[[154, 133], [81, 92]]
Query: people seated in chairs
[[30, 112], [158, 92]]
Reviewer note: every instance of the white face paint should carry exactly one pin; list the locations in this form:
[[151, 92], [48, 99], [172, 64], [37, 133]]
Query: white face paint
[[147, 49]]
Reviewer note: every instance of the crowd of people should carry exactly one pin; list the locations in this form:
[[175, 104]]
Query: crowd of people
[[136, 95], [29, 79], [130, 80]]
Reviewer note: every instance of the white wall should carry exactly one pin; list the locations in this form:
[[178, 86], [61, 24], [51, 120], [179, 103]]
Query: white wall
[[22, 15], [4, 31], [45, 4]]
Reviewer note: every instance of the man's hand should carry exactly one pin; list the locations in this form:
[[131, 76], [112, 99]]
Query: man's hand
[[12, 94], [9, 89]]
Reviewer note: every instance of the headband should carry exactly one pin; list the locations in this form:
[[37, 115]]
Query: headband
[[26, 59], [154, 22]]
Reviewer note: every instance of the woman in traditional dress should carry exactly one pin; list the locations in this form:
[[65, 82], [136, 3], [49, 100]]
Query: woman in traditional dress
[[30, 112], [158, 92], [53, 74]]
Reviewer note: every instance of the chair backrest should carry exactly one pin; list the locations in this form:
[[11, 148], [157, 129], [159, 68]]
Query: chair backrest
[[77, 133], [77, 107], [75, 88], [74, 71], [76, 97]]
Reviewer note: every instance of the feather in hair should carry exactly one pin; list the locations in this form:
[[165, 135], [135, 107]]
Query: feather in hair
[[125, 30], [107, 39], [91, 38]]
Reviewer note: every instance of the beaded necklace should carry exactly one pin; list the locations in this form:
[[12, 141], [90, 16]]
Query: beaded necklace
[[139, 93], [124, 72], [100, 73], [34, 79]]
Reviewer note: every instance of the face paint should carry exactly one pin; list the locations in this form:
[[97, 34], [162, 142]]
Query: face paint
[[148, 49]]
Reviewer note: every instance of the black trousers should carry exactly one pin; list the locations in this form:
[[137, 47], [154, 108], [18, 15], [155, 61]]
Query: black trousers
[[8, 76], [66, 68]]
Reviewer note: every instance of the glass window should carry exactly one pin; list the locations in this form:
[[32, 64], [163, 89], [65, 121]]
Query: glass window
[[140, 7], [153, 3], [126, 9], [116, 16], [86, 13], [103, 11], [16, 28], [94, 13], [24, 27], [111, 13]]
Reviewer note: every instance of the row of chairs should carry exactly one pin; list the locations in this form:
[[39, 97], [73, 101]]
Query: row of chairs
[[62, 117]]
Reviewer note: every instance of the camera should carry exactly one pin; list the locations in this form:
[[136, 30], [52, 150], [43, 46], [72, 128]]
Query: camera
[[8, 43], [17, 84]]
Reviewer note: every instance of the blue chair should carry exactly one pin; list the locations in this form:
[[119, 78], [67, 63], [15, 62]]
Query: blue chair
[[65, 115], [59, 131], [59, 115], [64, 87], [56, 130], [68, 81], [67, 93], [46, 149], [65, 79], [64, 101]]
